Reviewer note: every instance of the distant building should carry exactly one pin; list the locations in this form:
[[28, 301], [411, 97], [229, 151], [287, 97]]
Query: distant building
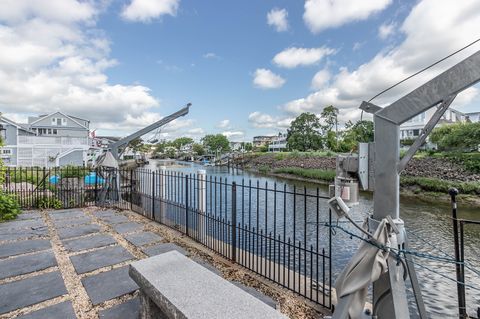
[[49, 140], [473, 117], [278, 144], [236, 146], [413, 127], [259, 141]]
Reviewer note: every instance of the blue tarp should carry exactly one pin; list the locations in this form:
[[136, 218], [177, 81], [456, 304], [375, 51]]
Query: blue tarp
[[89, 179]]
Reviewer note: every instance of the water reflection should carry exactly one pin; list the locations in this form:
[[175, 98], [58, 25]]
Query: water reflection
[[421, 219]]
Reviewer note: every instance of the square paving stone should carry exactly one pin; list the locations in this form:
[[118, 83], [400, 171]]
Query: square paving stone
[[26, 292], [19, 224], [126, 310], [26, 264], [14, 234], [82, 230], [95, 241], [143, 238], [163, 248], [23, 247], [109, 285], [105, 213], [116, 219], [67, 214], [29, 215], [65, 222], [127, 227], [63, 310], [100, 258]]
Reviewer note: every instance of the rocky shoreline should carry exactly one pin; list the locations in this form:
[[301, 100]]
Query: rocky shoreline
[[428, 167]]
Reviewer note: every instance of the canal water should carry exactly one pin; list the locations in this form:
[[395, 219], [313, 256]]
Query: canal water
[[429, 230]]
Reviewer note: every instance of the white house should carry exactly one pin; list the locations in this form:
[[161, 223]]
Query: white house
[[413, 127], [278, 143], [49, 140]]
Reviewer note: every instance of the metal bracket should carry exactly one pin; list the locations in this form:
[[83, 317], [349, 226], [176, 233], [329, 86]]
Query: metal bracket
[[369, 107], [426, 131]]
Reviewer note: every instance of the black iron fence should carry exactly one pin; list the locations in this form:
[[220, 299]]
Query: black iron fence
[[274, 230]]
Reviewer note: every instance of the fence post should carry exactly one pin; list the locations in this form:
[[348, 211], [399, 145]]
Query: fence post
[[131, 189], [186, 205], [96, 185], [163, 192], [153, 195], [453, 192], [234, 222], [202, 202]]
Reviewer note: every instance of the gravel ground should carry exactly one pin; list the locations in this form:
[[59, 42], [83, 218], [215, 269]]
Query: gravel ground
[[290, 304]]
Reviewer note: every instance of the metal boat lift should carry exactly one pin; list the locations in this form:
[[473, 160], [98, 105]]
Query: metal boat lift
[[383, 158]]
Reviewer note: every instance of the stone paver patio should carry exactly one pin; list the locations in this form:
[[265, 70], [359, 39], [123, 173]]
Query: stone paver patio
[[74, 263]]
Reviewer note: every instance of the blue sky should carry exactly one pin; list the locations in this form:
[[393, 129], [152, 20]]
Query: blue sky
[[248, 67]]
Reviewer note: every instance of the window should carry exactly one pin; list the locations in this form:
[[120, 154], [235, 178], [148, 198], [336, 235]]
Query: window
[[54, 131], [64, 122], [59, 122], [416, 132], [49, 131]]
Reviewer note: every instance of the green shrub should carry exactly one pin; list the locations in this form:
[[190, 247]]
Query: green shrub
[[46, 202], [9, 207], [73, 172], [264, 169], [440, 186], [324, 175]]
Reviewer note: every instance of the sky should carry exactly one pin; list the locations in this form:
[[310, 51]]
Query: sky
[[248, 67]]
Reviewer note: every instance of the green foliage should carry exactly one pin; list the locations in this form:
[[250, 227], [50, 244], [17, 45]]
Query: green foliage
[[198, 149], [304, 133], [459, 136], [71, 171], [359, 132], [263, 148], [407, 141], [329, 115], [324, 175], [137, 145], [181, 141], [170, 152], [46, 202], [216, 142], [248, 147], [439, 185], [264, 169], [9, 207]]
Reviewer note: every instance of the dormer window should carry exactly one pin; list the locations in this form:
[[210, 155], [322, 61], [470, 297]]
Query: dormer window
[[57, 121]]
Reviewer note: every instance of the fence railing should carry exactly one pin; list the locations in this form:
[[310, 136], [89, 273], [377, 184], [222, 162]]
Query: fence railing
[[273, 230]]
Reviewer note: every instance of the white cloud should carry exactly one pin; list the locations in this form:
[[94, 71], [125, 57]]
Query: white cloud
[[233, 134], [427, 39], [53, 57], [210, 55], [148, 10], [320, 79], [224, 124], [262, 120], [277, 18], [386, 30], [323, 14], [293, 57], [266, 79]]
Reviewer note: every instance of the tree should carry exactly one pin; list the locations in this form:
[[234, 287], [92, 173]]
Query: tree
[[216, 143], [359, 132], [303, 134], [198, 149], [137, 145], [330, 117], [181, 141], [459, 136]]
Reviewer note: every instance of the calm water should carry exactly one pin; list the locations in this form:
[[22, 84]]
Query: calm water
[[421, 220]]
